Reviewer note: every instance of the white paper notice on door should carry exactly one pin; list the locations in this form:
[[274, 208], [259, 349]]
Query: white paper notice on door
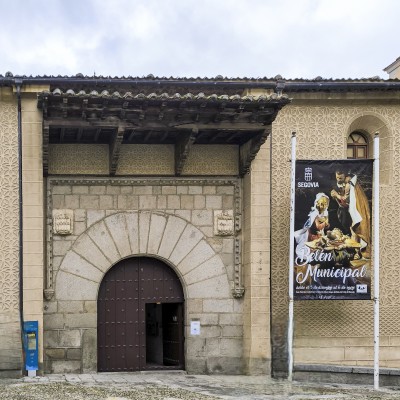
[[195, 327]]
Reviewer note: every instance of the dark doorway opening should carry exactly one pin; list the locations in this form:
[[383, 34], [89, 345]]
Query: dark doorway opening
[[164, 336], [140, 323]]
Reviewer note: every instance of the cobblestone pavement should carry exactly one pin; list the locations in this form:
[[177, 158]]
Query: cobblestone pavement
[[174, 386]]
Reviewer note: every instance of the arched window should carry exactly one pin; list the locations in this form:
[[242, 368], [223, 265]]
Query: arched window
[[357, 145]]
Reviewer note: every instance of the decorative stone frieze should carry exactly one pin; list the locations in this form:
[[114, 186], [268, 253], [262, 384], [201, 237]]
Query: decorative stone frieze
[[9, 207], [238, 288]]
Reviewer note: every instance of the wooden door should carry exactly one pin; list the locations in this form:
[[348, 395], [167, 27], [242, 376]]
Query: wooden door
[[172, 322], [119, 329], [124, 292]]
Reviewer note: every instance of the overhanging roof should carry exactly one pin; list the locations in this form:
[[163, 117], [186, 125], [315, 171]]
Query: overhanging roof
[[150, 110], [183, 112], [120, 117]]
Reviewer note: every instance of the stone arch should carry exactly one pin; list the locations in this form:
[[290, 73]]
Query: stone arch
[[167, 237], [369, 123]]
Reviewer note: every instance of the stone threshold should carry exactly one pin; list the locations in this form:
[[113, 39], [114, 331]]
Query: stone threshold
[[345, 374], [10, 373], [344, 369]]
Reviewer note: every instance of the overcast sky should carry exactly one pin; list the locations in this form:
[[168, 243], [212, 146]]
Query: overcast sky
[[206, 38]]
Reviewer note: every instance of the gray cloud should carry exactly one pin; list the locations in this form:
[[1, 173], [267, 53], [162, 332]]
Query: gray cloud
[[294, 38]]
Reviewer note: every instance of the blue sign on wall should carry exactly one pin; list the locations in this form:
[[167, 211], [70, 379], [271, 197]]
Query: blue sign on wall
[[31, 338]]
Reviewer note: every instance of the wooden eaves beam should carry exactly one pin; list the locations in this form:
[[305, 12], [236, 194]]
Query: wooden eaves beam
[[182, 149], [115, 149], [249, 150], [154, 124], [45, 148]]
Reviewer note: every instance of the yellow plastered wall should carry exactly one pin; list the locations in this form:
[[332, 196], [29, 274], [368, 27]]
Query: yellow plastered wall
[[90, 159], [212, 160]]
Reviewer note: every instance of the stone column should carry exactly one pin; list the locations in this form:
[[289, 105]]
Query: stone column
[[256, 260], [33, 210]]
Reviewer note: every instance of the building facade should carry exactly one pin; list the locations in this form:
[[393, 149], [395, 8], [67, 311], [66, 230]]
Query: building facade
[[154, 221]]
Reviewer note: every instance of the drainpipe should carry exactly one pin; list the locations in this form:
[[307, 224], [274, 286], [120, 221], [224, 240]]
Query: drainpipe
[[18, 83]]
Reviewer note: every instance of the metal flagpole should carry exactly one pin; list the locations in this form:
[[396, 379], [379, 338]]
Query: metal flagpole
[[291, 258], [376, 261]]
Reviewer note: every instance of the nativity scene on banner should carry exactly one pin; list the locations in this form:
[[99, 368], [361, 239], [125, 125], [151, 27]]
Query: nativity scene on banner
[[333, 230]]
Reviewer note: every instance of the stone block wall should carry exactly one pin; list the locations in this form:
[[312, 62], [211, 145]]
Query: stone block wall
[[170, 219]]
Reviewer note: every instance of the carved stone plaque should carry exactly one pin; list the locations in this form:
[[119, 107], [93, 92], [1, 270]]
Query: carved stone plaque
[[224, 223], [63, 222]]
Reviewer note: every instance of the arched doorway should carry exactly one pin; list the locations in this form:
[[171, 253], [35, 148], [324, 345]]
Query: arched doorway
[[140, 317]]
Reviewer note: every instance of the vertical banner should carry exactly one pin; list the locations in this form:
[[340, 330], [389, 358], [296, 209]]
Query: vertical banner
[[332, 230]]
